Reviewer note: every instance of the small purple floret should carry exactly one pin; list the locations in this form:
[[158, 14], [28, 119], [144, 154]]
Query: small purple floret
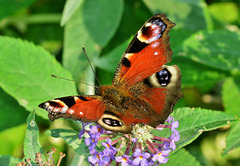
[[140, 158], [161, 156], [124, 160], [147, 148]]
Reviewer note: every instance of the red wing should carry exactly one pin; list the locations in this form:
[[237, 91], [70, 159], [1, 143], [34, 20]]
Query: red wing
[[85, 108], [148, 51], [162, 91]]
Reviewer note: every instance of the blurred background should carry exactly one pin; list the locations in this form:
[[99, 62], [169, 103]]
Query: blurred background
[[205, 44]]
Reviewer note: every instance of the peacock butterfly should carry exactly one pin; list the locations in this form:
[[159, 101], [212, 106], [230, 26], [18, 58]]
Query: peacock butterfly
[[143, 90]]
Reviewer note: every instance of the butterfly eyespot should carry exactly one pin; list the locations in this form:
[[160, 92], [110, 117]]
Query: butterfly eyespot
[[163, 77], [112, 122], [159, 23], [152, 31]]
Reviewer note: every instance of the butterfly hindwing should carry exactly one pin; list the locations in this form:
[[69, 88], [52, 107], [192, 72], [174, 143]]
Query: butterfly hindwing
[[147, 52], [162, 91]]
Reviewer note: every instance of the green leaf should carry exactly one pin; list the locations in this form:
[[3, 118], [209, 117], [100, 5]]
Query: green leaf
[[105, 77], [12, 139], [226, 12], [69, 8], [9, 7], [231, 96], [218, 49], [72, 139], [182, 157], [102, 19], [194, 73], [233, 140], [11, 110], [31, 141], [25, 74], [79, 160], [194, 121], [9, 160], [92, 25]]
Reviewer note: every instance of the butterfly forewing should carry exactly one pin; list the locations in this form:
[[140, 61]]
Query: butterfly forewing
[[147, 52], [83, 108], [90, 108]]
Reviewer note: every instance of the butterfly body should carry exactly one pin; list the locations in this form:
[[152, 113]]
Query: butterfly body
[[144, 89], [125, 104]]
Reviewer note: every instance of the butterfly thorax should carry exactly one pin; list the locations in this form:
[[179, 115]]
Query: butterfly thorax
[[121, 102], [112, 93]]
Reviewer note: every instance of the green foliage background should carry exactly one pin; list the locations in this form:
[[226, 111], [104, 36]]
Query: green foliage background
[[44, 37]]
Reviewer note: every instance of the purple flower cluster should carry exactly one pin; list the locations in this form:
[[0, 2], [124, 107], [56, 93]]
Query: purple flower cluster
[[141, 147]]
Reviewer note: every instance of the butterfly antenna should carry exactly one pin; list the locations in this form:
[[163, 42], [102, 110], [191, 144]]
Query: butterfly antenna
[[74, 81], [83, 48]]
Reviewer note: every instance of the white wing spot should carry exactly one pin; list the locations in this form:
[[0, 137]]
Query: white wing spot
[[155, 45], [71, 112], [128, 56], [75, 98], [154, 38], [148, 24], [64, 110], [46, 104]]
